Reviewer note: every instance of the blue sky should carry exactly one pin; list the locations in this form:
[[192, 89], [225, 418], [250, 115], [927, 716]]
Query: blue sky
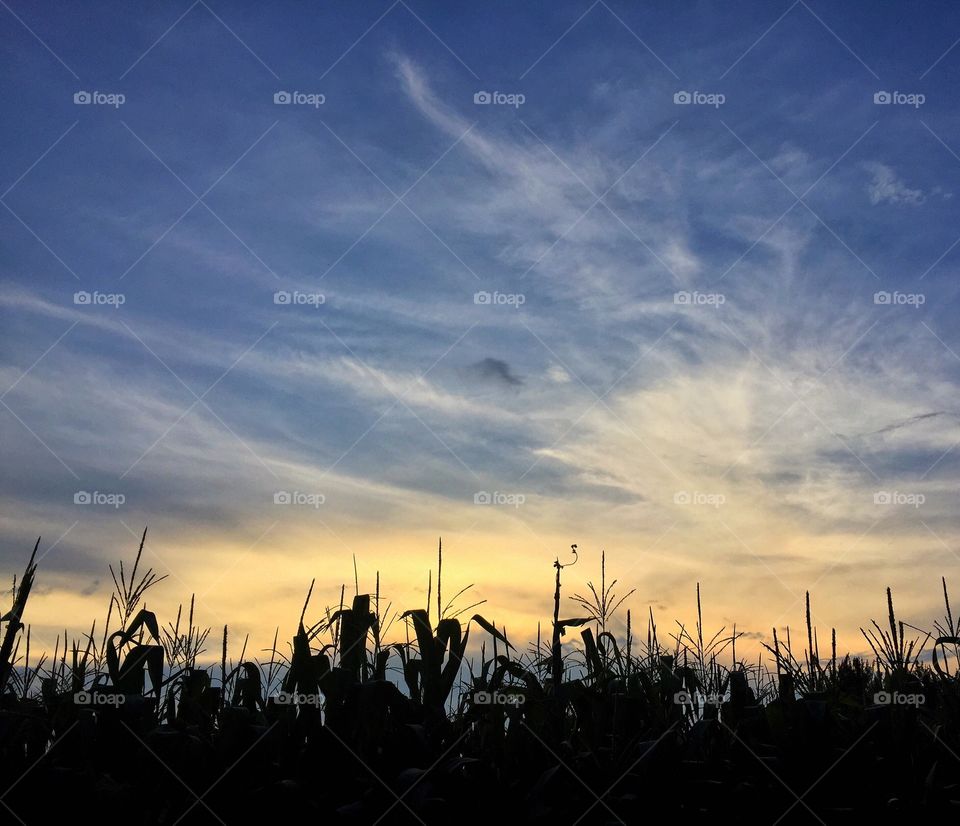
[[748, 438]]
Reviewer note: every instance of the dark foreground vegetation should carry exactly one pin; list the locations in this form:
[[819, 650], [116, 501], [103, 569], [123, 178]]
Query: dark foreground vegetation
[[349, 725]]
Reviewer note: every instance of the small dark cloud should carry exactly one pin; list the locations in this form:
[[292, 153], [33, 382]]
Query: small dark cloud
[[91, 589], [747, 635], [494, 370]]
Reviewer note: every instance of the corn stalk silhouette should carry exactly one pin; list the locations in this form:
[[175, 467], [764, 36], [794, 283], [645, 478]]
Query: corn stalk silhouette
[[14, 618]]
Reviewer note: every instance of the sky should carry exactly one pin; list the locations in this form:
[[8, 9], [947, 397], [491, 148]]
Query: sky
[[301, 284]]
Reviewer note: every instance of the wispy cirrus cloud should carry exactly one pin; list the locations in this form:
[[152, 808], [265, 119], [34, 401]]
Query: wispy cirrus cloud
[[740, 438]]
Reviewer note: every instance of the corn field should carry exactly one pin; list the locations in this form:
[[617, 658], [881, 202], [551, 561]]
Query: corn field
[[373, 715]]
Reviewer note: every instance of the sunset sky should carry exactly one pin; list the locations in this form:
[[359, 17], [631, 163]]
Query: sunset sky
[[390, 260]]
